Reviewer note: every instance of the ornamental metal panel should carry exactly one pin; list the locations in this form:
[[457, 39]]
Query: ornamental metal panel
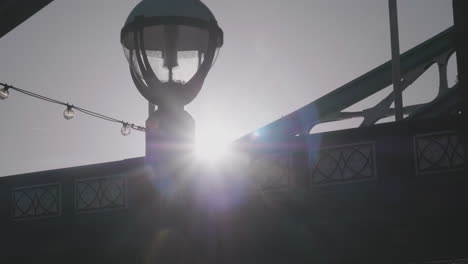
[[102, 193], [438, 152], [36, 201], [272, 172], [342, 164]]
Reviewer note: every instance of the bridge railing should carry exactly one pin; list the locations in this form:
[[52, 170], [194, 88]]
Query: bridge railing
[[401, 152]]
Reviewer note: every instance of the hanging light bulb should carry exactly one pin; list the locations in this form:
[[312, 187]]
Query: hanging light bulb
[[68, 113], [4, 93], [125, 130]]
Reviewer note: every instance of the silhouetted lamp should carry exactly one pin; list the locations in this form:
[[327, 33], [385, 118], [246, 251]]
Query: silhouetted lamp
[[170, 46]]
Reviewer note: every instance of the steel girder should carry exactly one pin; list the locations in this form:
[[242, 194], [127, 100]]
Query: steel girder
[[329, 107]]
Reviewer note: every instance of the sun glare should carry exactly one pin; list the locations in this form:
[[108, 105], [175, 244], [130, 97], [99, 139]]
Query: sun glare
[[212, 144]]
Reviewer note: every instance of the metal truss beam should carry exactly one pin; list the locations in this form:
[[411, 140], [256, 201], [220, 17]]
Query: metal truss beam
[[329, 107]]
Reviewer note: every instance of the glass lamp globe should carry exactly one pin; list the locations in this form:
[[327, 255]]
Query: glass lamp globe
[[125, 130], [68, 113], [4, 93], [170, 46]]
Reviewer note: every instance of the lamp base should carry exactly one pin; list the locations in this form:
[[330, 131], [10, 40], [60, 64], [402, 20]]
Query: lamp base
[[169, 141], [169, 134]]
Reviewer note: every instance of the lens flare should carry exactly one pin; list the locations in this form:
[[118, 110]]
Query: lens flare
[[212, 144]]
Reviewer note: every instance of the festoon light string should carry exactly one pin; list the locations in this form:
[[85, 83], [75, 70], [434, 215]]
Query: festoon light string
[[69, 113]]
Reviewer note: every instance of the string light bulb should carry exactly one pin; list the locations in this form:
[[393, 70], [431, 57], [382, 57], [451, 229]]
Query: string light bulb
[[4, 93], [125, 130], [68, 113]]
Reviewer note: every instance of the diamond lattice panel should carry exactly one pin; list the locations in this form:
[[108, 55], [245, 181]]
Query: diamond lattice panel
[[96, 194], [438, 152], [36, 201], [341, 164]]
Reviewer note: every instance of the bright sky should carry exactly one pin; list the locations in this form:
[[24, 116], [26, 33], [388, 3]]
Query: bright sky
[[278, 56]]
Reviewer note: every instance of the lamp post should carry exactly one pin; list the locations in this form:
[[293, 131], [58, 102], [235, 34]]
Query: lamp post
[[170, 46]]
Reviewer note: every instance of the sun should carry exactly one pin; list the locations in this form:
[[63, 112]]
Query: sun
[[212, 143]]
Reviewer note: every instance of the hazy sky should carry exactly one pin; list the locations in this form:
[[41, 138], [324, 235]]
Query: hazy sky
[[278, 56]]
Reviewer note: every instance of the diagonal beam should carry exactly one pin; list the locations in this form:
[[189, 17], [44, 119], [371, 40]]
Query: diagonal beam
[[15, 12], [303, 119]]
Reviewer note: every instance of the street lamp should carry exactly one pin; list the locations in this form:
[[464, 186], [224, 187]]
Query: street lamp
[[170, 46]]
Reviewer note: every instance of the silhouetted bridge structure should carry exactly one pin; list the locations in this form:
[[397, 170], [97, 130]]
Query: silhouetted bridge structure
[[363, 197], [381, 193]]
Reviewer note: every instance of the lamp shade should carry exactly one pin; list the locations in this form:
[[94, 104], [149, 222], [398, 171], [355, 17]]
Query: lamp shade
[[170, 46]]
